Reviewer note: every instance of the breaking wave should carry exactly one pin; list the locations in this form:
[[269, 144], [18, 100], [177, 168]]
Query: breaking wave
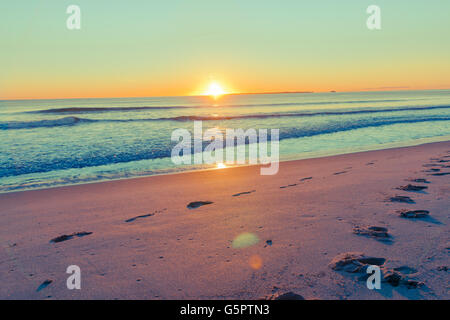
[[144, 108], [67, 121], [70, 121]]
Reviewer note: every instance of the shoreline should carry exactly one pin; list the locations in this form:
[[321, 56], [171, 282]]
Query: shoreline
[[311, 155], [234, 234]]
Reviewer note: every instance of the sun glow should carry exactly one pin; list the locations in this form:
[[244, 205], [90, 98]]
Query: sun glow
[[221, 166], [215, 90]]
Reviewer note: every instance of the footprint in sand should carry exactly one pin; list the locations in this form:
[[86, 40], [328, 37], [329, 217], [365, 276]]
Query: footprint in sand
[[440, 174], [284, 296], [419, 180], [198, 204], [44, 285], [432, 170], [403, 199], [288, 186], [357, 263], [354, 262], [242, 193], [411, 187], [340, 172], [140, 217], [66, 237], [145, 215], [379, 233], [413, 214], [428, 165], [405, 270], [395, 278]]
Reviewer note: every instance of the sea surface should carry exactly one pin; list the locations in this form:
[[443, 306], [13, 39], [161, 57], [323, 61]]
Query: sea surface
[[47, 143]]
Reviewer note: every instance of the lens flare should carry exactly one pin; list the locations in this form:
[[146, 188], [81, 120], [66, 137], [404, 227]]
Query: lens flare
[[245, 240], [255, 262]]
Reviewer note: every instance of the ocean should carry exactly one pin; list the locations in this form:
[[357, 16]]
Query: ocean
[[48, 143]]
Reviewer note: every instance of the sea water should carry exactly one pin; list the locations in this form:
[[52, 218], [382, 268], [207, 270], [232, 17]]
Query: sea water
[[46, 143]]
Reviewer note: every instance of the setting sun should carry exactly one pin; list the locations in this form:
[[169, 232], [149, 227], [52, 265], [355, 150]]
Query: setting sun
[[215, 90], [221, 166]]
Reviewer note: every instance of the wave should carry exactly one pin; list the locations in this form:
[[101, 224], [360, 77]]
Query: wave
[[67, 121], [158, 148], [125, 109], [102, 109], [297, 114]]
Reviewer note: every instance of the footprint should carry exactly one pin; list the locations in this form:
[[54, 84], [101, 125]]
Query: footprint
[[419, 180], [395, 278], [197, 204], [66, 237], [44, 285], [289, 185], [246, 192], [402, 199], [146, 215], [405, 270], [354, 262], [411, 187], [413, 214], [380, 233], [140, 217], [440, 174], [284, 296], [428, 165]]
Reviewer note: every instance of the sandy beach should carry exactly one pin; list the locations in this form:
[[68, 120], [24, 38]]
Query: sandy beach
[[234, 234]]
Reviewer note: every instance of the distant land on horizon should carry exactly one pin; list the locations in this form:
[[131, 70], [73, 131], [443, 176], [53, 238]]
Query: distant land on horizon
[[268, 92]]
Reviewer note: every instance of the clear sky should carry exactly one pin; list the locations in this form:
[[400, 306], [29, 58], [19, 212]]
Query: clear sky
[[177, 47]]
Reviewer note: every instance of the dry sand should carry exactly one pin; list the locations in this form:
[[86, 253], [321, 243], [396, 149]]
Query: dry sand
[[146, 243]]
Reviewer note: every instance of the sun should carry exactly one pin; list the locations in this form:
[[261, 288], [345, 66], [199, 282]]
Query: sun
[[215, 90], [221, 165]]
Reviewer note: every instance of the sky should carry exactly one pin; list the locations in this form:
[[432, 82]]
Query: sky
[[178, 47]]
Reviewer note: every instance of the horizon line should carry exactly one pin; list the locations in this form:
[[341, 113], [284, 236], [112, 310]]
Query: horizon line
[[386, 89]]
